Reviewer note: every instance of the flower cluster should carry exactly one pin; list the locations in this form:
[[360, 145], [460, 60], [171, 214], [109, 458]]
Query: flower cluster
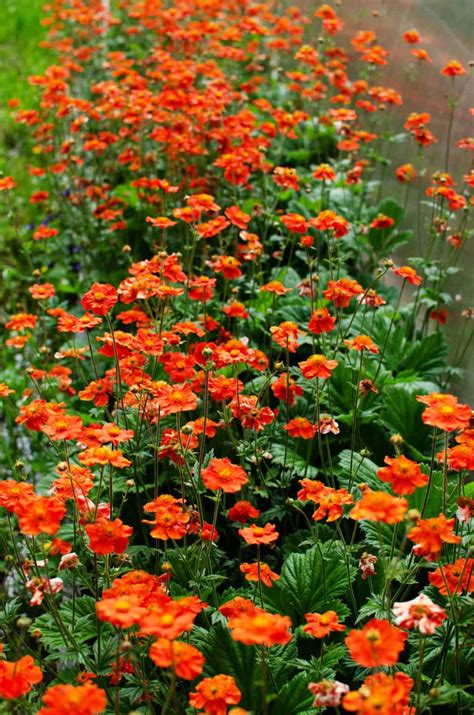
[[235, 480]]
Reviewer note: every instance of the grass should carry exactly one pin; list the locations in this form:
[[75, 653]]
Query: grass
[[20, 56]]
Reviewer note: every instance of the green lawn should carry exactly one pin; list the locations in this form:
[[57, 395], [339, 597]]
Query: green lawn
[[20, 56]]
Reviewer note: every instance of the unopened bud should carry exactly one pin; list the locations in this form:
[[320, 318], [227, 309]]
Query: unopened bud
[[24, 622]]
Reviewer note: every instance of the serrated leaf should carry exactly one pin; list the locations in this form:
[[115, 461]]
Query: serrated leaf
[[294, 697], [309, 582]]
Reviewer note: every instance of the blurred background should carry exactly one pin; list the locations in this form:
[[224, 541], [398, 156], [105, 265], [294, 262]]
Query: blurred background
[[447, 32]]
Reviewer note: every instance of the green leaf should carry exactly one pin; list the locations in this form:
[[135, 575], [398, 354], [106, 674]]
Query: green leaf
[[427, 357], [402, 415], [295, 697], [309, 582], [363, 470], [293, 462], [225, 655]]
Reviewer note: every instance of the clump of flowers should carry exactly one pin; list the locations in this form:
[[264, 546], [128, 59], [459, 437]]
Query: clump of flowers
[[234, 473]]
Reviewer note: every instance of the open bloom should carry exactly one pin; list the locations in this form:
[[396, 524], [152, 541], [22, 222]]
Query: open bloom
[[377, 643], [257, 535], [362, 342], [382, 694], [321, 321], [379, 506], [100, 299], [317, 366], [185, 659], [18, 677], [429, 536], [121, 612], [214, 695], [170, 520], [87, 699], [222, 474], [445, 412], [420, 613], [259, 572], [457, 577], [242, 511], [319, 625], [260, 628], [403, 474], [40, 515], [108, 537]]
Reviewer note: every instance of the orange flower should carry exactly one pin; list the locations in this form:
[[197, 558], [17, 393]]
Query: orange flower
[[44, 232], [170, 521], [42, 291], [321, 321], [445, 412], [13, 493], [411, 37], [274, 287], [63, 427], [237, 607], [286, 335], [311, 491], [227, 265], [6, 183], [453, 69], [100, 299], [317, 366], [186, 660], [222, 474], [284, 388], [40, 515], [18, 677], [319, 625], [330, 221], [238, 217], [87, 699], [362, 342], [242, 511], [382, 221], [331, 503], [295, 223], [300, 427], [121, 612], [457, 577], [406, 173], [5, 390], [382, 694], [429, 535], [260, 628], [259, 572], [161, 222], [214, 695], [421, 54], [259, 534], [235, 309], [378, 643], [379, 506], [403, 474], [171, 619], [98, 390], [324, 172], [409, 274], [104, 455], [21, 321], [176, 398], [342, 291], [286, 178], [108, 537]]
